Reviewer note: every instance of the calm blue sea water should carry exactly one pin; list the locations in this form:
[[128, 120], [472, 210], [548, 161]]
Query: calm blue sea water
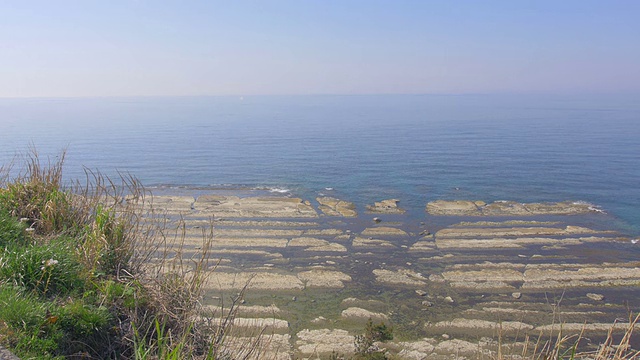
[[415, 148]]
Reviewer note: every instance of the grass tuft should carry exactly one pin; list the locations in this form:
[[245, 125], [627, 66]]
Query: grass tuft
[[82, 276]]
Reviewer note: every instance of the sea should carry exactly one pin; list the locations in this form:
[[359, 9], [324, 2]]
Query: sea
[[415, 148]]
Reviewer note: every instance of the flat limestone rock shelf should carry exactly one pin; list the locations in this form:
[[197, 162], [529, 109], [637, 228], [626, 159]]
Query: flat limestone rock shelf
[[316, 272], [507, 208]]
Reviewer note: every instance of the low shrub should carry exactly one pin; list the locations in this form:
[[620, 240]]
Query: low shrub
[[365, 344]]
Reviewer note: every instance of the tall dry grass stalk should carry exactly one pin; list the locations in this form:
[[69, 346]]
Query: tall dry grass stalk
[[560, 346], [123, 238]]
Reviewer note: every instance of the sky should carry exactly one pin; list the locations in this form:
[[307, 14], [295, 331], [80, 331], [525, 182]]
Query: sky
[[96, 48]]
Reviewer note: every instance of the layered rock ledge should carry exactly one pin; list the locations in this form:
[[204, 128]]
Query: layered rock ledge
[[506, 208]]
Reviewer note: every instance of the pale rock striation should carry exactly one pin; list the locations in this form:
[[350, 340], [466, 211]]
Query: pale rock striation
[[453, 207], [511, 231], [578, 327], [506, 208], [169, 204], [313, 244], [324, 278], [476, 325], [517, 243], [541, 276], [335, 207], [258, 310], [272, 346], [267, 281], [507, 223], [255, 223], [268, 324], [306, 241], [230, 242], [384, 231], [401, 276], [254, 232], [423, 246], [414, 350], [361, 242], [356, 313], [329, 247], [457, 347], [322, 232], [325, 341], [370, 304], [389, 206], [257, 207]]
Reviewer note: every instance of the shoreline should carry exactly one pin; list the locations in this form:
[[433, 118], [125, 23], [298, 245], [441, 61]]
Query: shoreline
[[324, 266]]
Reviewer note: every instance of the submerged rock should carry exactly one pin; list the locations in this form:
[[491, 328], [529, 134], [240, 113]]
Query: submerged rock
[[389, 206], [335, 207]]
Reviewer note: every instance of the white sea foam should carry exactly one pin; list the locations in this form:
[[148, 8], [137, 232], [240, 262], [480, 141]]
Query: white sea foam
[[329, 188], [280, 191], [592, 207], [635, 241]]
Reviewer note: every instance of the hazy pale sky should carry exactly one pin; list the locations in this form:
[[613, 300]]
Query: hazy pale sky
[[153, 47]]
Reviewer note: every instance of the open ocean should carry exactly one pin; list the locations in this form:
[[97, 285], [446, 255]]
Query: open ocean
[[361, 148]]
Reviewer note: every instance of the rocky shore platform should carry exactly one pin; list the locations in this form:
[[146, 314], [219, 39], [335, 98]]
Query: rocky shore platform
[[450, 282]]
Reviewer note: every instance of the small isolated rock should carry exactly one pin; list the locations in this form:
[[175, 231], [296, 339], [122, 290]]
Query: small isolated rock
[[516, 295], [445, 336], [427, 303], [421, 292], [449, 300], [294, 298], [376, 219], [595, 297], [319, 320]]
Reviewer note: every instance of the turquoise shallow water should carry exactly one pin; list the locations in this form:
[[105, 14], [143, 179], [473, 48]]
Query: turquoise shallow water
[[364, 148]]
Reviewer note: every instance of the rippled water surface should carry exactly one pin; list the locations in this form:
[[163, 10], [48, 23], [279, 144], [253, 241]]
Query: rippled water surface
[[365, 148]]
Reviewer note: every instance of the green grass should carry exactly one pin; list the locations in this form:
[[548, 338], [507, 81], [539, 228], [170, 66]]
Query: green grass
[[48, 269], [75, 276], [76, 281]]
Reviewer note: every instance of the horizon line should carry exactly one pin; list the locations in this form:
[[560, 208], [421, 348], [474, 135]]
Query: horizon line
[[540, 93]]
